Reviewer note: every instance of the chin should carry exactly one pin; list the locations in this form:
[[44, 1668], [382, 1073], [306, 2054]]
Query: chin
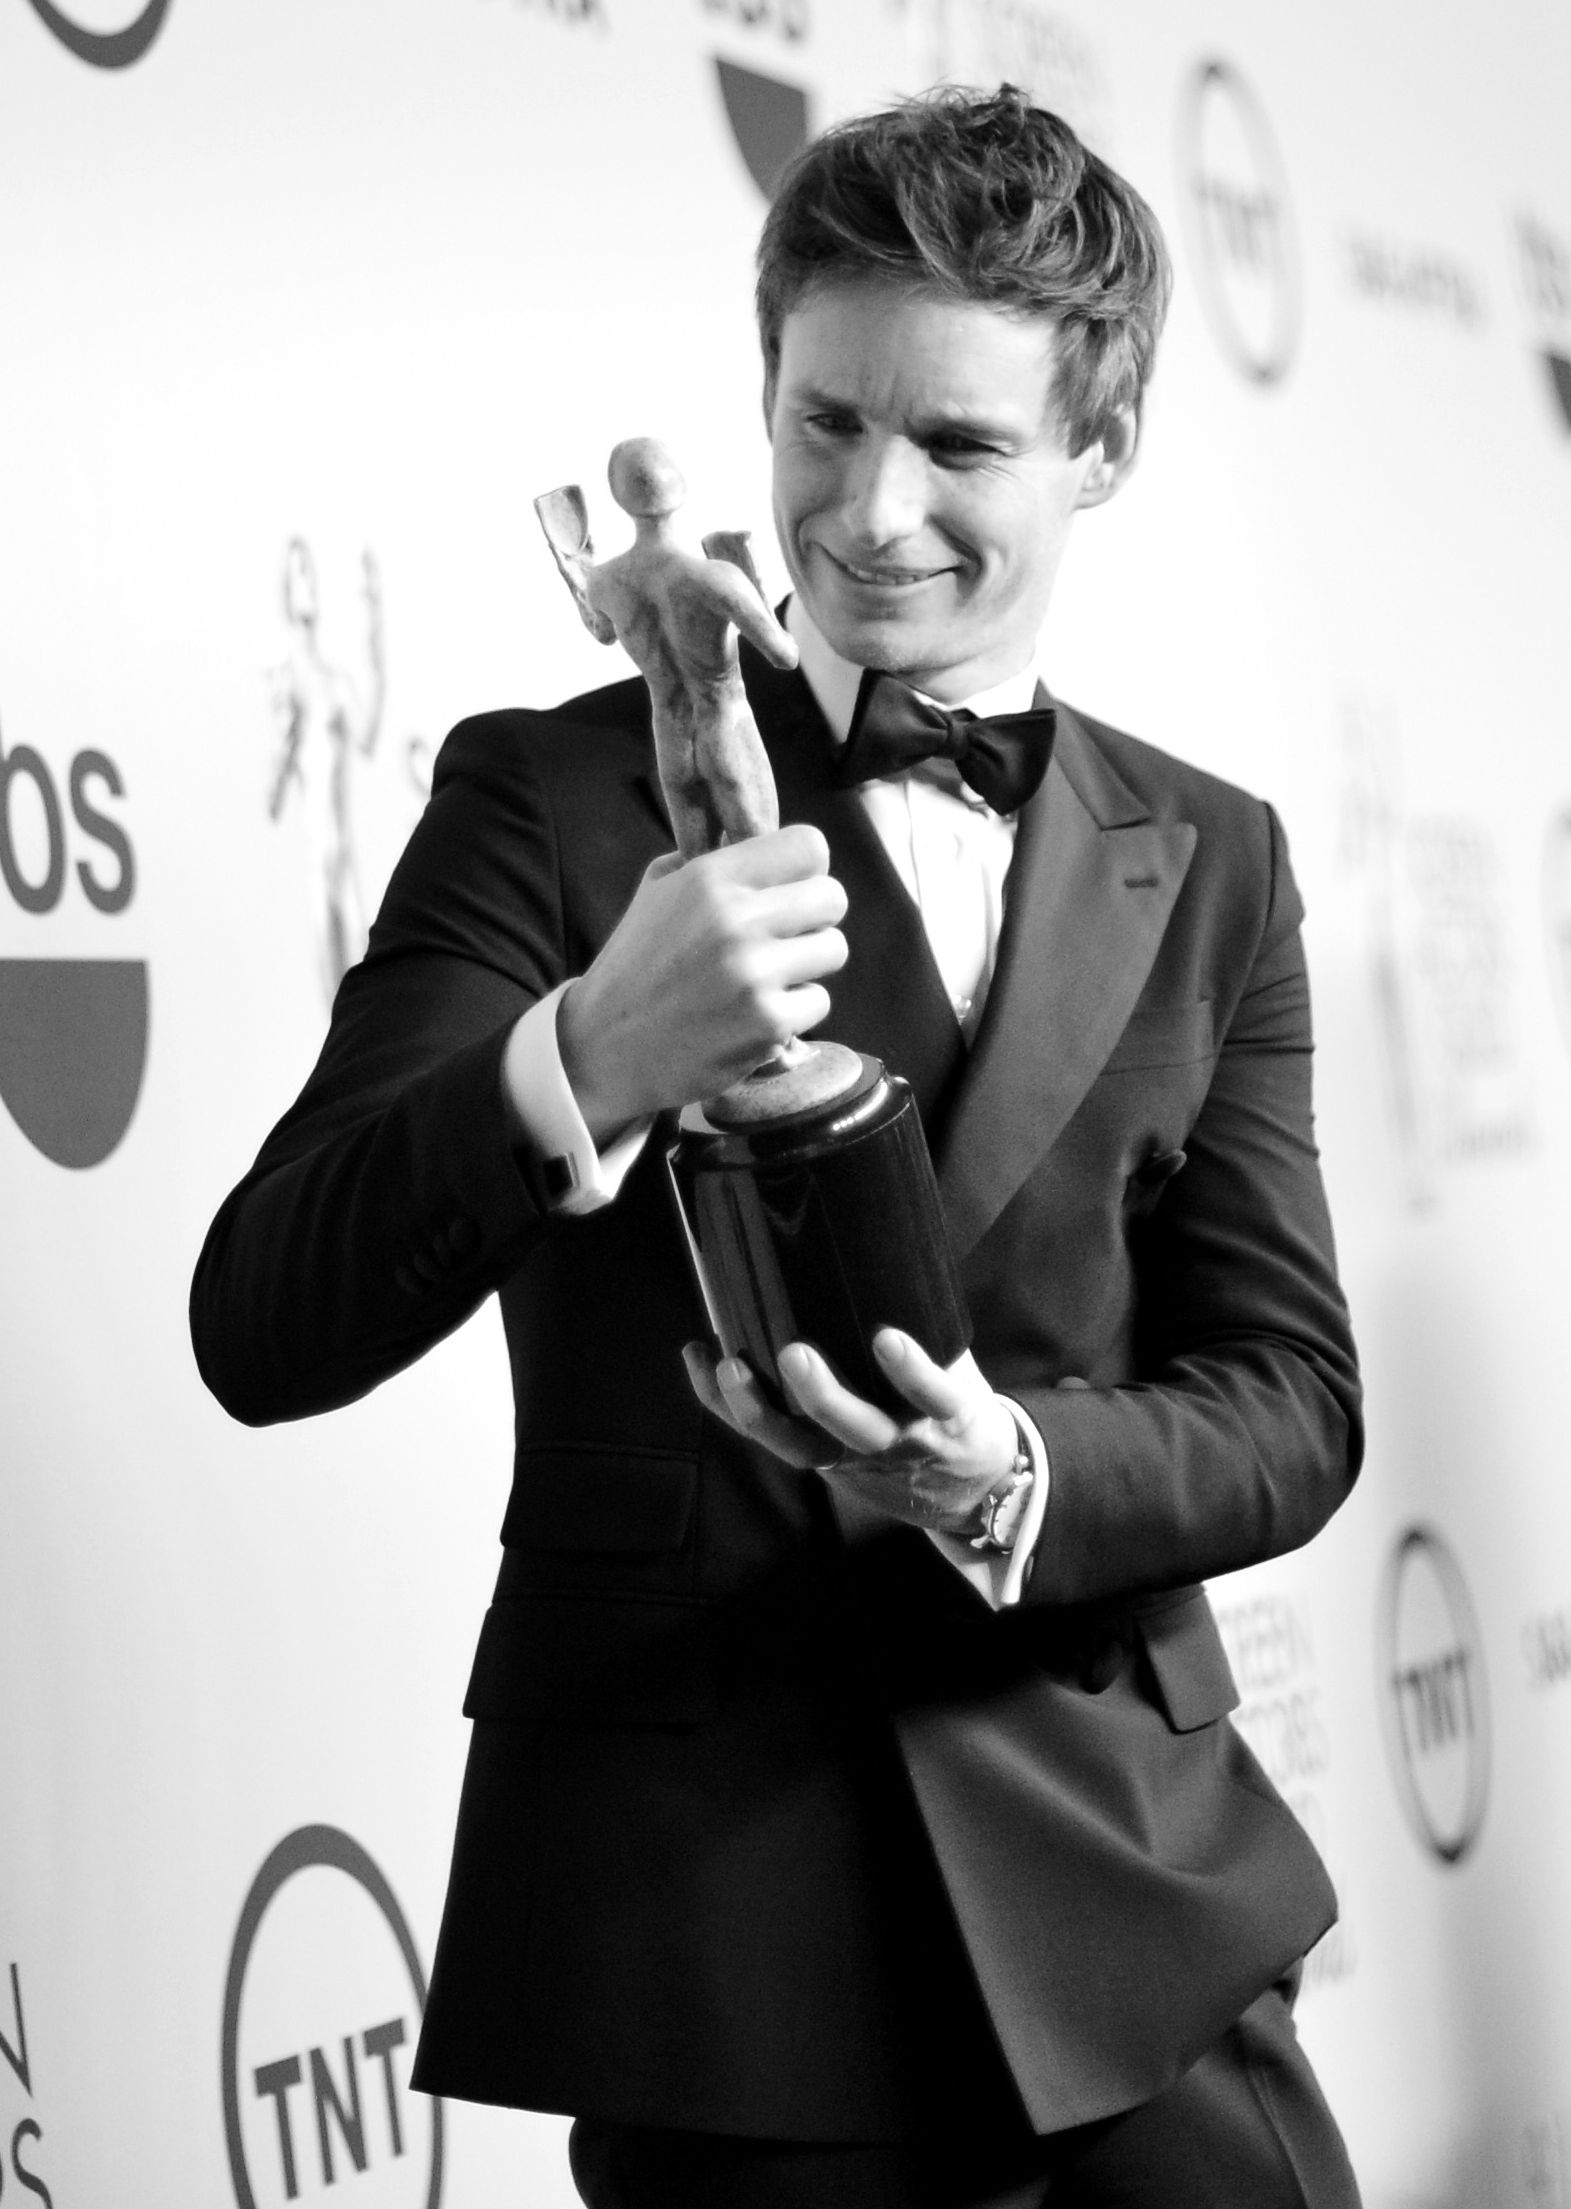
[[891, 656], [888, 645]]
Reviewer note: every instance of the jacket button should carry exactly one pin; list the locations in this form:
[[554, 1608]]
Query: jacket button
[[1101, 1667]]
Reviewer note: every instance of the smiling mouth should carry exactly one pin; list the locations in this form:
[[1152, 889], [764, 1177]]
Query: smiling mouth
[[883, 578]]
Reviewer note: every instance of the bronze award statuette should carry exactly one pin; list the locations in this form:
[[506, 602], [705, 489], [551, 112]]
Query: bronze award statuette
[[806, 1190]]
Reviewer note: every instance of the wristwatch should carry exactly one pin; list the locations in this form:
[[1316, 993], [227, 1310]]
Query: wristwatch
[[1005, 1508]]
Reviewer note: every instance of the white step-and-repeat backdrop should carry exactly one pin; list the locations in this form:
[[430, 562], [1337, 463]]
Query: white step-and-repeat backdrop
[[301, 304]]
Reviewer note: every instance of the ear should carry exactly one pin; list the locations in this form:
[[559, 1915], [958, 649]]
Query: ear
[[1110, 458]]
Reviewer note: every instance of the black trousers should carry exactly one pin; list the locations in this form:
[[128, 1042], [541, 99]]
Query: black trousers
[[1246, 2127]]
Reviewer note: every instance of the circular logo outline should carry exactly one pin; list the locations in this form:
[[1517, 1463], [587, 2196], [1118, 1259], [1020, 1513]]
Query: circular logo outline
[[1555, 887], [1422, 1540], [1250, 110], [307, 1848], [105, 49]]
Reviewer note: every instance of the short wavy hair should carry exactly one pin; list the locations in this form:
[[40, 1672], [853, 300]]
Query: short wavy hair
[[979, 196]]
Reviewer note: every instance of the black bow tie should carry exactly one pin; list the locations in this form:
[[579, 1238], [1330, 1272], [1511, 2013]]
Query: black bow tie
[[894, 731]]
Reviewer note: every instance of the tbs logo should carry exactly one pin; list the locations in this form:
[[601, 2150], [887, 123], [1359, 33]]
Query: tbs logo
[[73, 1031]]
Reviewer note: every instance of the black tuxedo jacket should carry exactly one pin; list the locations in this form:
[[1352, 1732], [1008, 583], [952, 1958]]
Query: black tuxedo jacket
[[764, 1831]]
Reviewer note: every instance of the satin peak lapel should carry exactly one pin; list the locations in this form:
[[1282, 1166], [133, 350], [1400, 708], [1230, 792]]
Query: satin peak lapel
[[1092, 885]]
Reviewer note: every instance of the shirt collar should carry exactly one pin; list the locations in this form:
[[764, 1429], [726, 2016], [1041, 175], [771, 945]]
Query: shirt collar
[[834, 682]]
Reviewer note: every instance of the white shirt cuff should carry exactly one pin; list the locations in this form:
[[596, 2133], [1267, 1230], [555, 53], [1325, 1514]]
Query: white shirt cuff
[[1000, 1580], [577, 1176]]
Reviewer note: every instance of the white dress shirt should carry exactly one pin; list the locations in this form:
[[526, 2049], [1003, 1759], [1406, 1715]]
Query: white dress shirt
[[952, 854]]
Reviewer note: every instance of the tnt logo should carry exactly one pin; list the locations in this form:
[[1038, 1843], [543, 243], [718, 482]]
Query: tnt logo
[[106, 49], [321, 2009], [335, 2102], [1234, 193], [73, 1032], [1434, 1696]]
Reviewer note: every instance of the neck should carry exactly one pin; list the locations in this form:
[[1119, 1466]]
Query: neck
[[834, 681]]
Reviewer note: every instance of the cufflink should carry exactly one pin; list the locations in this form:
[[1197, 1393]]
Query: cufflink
[[560, 1176]]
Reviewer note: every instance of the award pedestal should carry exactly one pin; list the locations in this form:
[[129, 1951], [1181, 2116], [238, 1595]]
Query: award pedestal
[[812, 1215]]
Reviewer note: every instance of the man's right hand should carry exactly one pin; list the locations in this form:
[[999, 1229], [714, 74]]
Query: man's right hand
[[711, 966]]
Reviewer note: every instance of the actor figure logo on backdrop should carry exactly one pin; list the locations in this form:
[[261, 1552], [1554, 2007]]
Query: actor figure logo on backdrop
[[328, 728], [1546, 279], [325, 727]]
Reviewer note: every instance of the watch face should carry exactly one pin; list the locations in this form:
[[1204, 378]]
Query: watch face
[[1005, 1511]]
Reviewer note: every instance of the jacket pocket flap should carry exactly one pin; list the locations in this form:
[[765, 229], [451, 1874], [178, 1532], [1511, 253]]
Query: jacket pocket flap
[[578, 1497], [1188, 1662], [1166, 1035], [598, 1659]]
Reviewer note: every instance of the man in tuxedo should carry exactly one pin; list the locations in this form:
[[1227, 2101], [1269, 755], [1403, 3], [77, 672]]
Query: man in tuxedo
[[852, 1817]]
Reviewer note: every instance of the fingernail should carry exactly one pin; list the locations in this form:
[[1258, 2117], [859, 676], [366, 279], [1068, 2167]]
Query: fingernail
[[731, 1372], [794, 1361], [890, 1346]]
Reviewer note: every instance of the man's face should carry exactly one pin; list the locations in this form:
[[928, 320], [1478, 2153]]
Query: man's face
[[923, 488]]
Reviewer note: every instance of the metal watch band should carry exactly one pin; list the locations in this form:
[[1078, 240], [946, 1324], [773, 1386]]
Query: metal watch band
[[1003, 1511]]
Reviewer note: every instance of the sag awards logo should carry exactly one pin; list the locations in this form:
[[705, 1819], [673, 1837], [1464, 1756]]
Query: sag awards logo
[[1282, 1715], [1234, 194], [321, 2008], [1434, 1699], [19, 2154], [1433, 892], [769, 115], [105, 49], [73, 1031], [1050, 56]]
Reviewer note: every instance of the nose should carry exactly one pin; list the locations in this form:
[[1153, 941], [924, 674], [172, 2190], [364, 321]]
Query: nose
[[885, 493]]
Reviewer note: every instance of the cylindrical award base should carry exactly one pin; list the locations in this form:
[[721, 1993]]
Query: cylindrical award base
[[819, 1225]]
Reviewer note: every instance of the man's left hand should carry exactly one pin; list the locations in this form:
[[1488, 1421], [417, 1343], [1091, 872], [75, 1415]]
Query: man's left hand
[[931, 1470]]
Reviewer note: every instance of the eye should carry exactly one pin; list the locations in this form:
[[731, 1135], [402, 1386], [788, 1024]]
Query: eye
[[955, 449], [832, 422]]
